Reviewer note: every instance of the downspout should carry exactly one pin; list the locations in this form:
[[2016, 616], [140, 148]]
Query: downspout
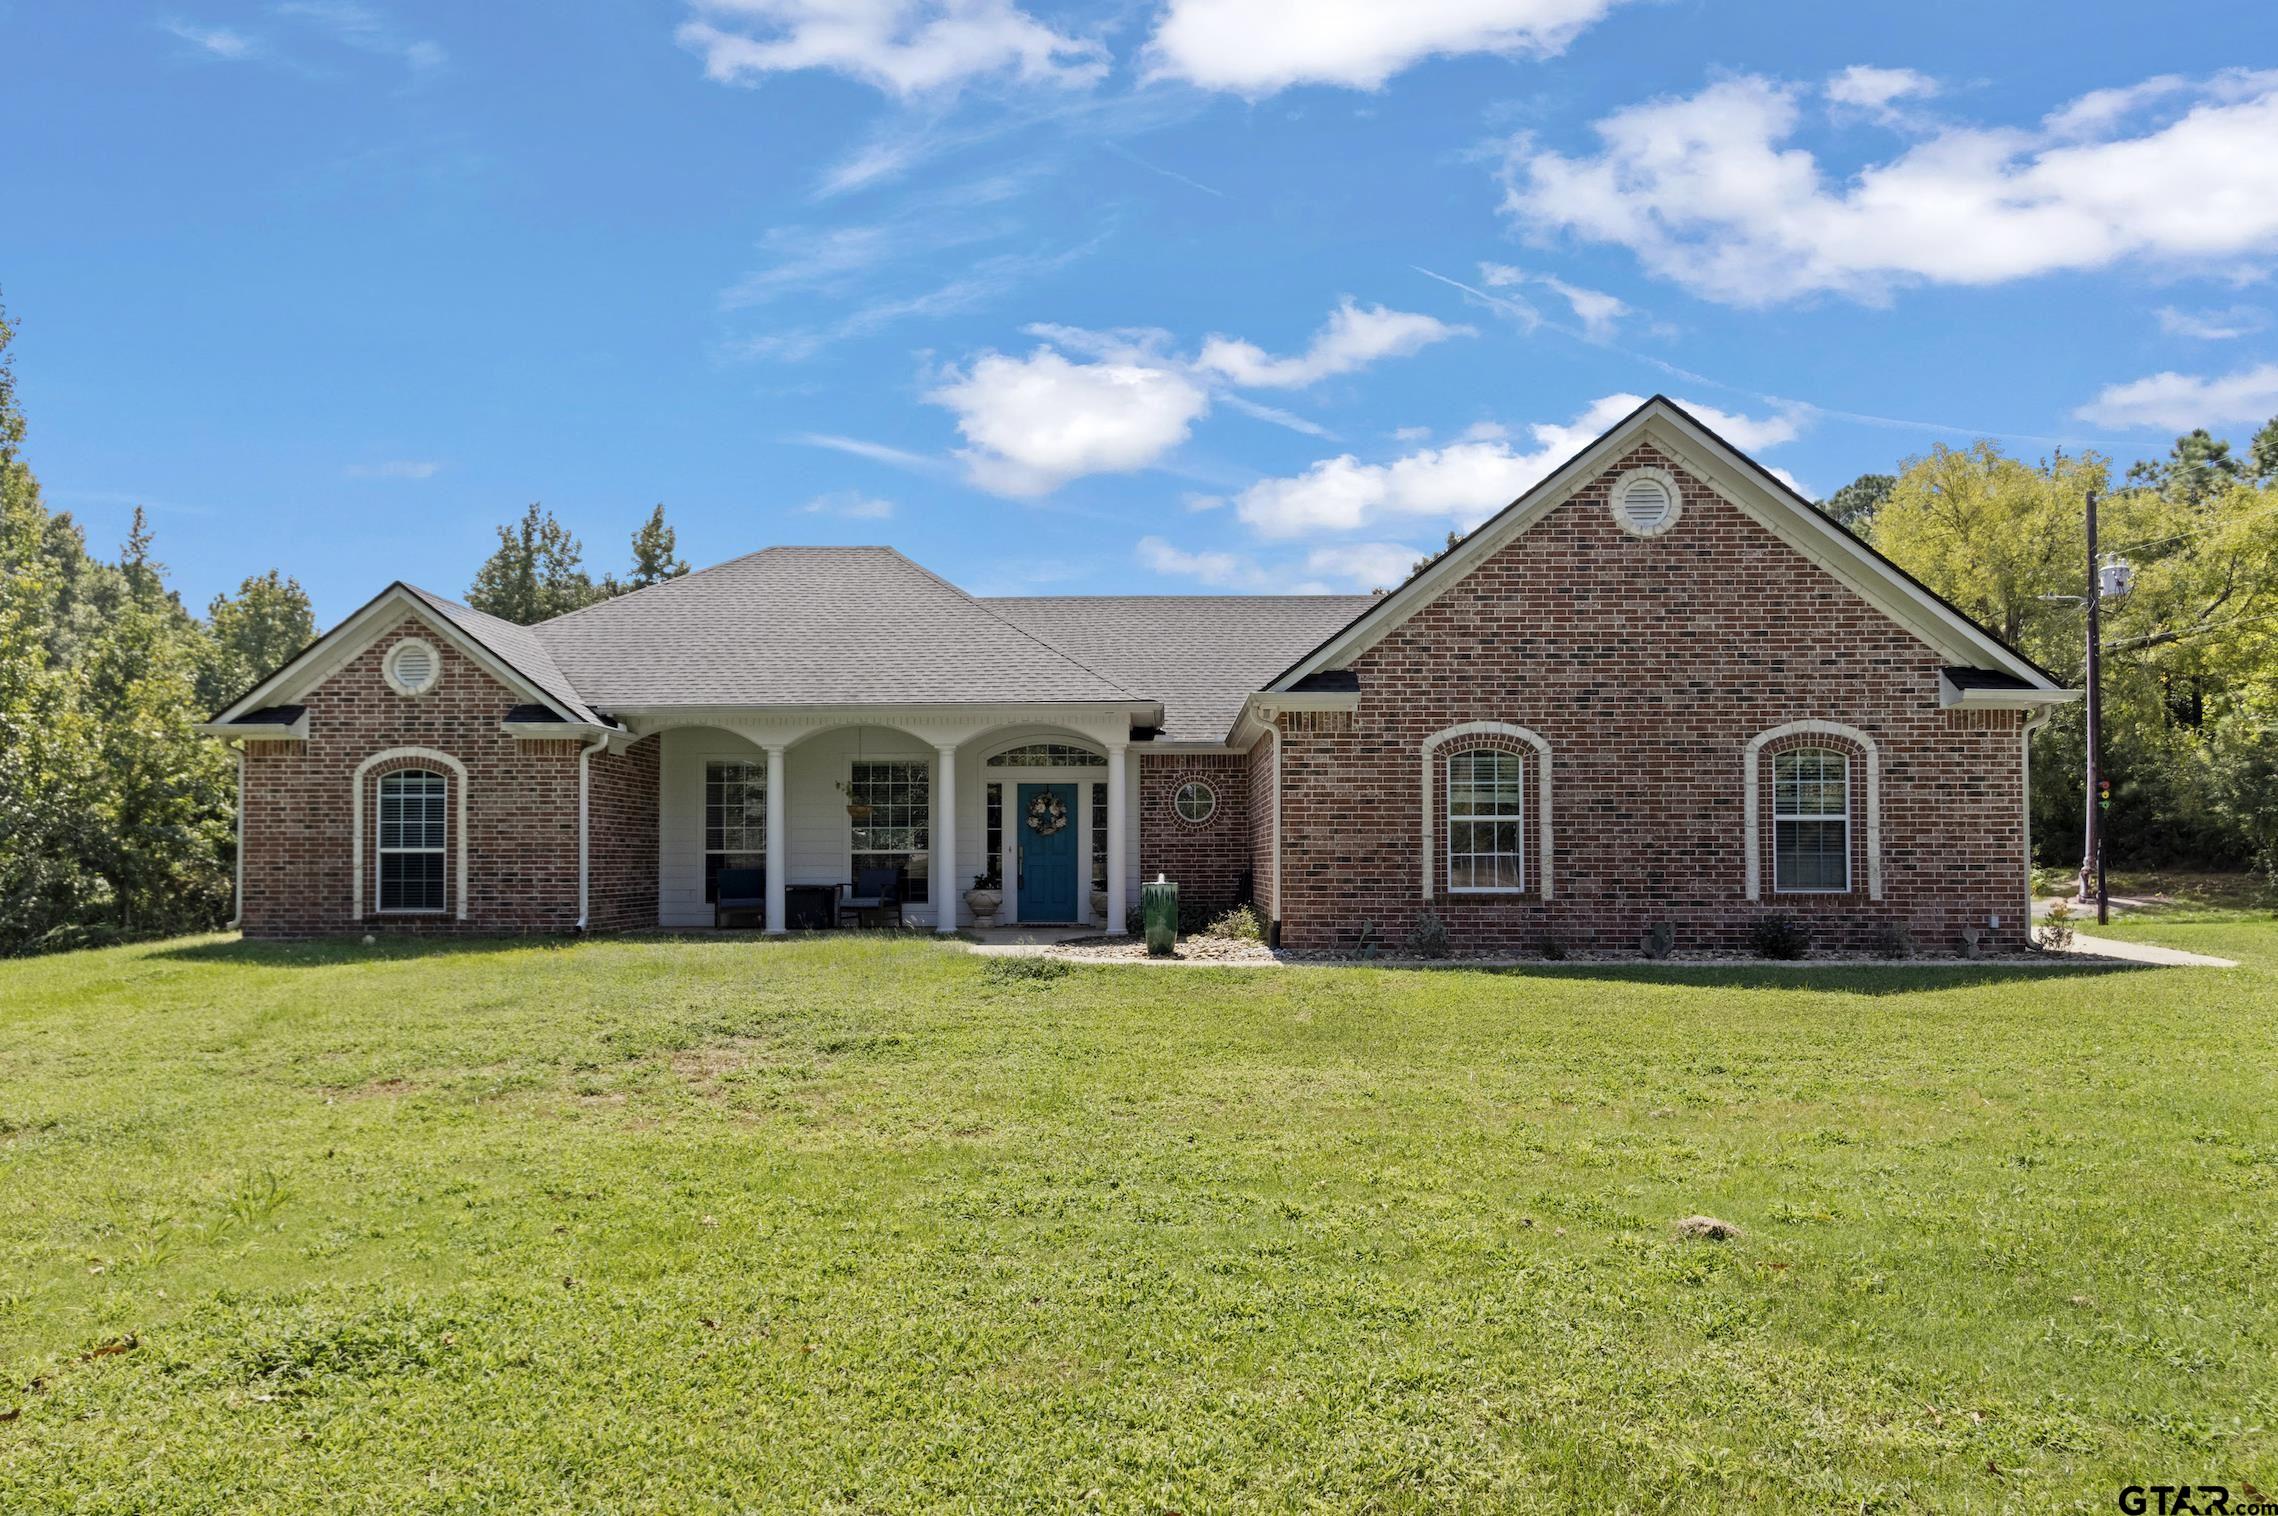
[[585, 827]]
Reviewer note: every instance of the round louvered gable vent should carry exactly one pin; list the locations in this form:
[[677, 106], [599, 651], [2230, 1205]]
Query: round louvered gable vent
[[412, 667], [1645, 502]]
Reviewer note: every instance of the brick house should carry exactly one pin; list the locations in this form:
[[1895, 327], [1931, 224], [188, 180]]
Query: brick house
[[1657, 688]]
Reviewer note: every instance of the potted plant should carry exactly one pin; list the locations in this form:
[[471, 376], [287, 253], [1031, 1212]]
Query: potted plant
[[986, 898]]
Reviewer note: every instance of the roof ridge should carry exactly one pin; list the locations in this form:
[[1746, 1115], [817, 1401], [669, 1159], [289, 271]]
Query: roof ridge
[[709, 568], [1050, 647]]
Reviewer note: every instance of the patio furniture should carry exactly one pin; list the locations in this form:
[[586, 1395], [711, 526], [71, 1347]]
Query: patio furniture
[[873, 893], [810, 907], [739, 890]]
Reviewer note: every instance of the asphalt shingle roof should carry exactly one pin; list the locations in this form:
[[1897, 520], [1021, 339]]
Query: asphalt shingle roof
[[518, 647], [1200, 655], [813, 626]]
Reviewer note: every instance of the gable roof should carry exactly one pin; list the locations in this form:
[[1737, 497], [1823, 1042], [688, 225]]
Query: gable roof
[[1735, 477], [504, 649], [812, 626], [1200, 655]]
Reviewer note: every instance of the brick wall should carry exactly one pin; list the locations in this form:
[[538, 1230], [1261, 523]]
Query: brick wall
[[1648, 665], [1259, 763], [622, 869], [519, 800], [1208, 858]]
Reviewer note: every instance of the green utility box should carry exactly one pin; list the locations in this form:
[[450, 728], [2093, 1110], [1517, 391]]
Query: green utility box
[[1159, 905]]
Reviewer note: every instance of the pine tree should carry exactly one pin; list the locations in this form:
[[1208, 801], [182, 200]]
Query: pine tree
[[536, 573], [653, 549]]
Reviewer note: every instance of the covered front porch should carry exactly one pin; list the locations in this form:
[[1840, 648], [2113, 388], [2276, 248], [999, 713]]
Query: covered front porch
[[1041, 801]]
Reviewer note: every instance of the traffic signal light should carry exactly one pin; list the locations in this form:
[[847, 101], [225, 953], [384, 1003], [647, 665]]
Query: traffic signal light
[[2103, 794]]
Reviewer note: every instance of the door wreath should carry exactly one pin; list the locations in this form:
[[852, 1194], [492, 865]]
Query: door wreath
[[1047, 813]]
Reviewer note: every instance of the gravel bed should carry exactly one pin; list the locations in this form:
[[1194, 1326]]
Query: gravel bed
[[1242, 950]]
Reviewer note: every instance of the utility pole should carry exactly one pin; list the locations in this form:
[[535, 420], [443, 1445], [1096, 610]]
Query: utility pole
[[2092, 854]]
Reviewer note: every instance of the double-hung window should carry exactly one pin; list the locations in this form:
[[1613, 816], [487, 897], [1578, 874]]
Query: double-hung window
[[1486, 821], [735, 819], [891, 804], [1811, 821], [413, 803]]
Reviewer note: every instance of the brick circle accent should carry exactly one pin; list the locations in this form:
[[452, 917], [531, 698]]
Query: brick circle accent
[[1177, 785]]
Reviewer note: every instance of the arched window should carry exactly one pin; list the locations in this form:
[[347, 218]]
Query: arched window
[[1047, 755], [1811, 821], [411, 845]]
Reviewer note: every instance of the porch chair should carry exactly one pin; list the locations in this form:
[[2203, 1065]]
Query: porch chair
[[876, 891], [739, 890]]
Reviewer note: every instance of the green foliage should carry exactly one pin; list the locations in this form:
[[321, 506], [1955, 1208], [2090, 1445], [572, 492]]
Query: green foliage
[[255, 634], [536, 574], [1855, 504], [115, 816], [1241, 924], [866, 1225], [1780, 935], [2191, 656], [654, 559]]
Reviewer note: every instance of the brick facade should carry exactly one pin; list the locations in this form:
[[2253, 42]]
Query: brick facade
[[1648, 665], [519, 800], [1209, 858]]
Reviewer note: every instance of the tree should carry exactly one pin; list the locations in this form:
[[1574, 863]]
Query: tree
[[1855, 504], [2266, 452], [254, 635], [2199, 465], [536, 574], [653, 549]]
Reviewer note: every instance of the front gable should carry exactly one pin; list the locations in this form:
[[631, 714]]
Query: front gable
[[1714, 483]]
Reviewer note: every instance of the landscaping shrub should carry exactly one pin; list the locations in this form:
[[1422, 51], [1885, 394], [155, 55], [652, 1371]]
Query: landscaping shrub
[[1241, 924], [1780, 935], [1427, 936], [1891, 940], [2056, 928]]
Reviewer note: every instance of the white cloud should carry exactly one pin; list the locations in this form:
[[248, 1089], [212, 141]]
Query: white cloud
[[1363, 565], [1036, 422], [1873, 90], [903, 47], [1463, 483], [1353, 338], [361, 27], [1710, 191], [849, 505], [2178, 402], [394, 468], [2213, 326], [1223, 570], [215, 41], [1255, 47], [873, 452], [1598, 311]]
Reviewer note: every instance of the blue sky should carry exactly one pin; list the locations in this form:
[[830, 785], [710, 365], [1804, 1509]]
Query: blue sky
[[1161, 295]]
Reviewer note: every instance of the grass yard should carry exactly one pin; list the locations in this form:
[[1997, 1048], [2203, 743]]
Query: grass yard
[[657, 1225]]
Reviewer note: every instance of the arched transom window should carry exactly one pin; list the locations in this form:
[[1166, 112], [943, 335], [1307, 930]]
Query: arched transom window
[[411, 817], [1811, 821], [1047, 755]]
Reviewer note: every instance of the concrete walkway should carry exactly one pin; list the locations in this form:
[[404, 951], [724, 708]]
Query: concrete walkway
[[2086, 946]]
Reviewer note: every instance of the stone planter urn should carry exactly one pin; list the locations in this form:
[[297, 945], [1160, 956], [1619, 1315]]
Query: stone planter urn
[[985, 904], [1099, 905]]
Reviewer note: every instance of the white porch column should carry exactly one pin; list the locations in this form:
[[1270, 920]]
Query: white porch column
[[777, 825], [945, 839], [1117, 830]]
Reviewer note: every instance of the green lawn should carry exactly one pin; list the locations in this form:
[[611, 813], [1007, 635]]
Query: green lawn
[[656, 1225]]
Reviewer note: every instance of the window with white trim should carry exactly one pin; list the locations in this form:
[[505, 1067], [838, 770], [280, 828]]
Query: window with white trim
[[891, 805], [1195, 802], [412, 807], [1811, 821], [735, 819], [1486, 821]]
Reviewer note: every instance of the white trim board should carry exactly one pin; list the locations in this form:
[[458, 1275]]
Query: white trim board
[[1545, 877], [356, 814]]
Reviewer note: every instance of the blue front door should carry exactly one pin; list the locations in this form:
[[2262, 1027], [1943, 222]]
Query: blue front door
[[1047, 858]]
